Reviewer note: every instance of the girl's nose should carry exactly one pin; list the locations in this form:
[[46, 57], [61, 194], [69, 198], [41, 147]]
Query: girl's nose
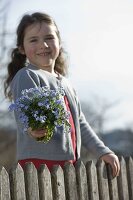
[[45, 44]]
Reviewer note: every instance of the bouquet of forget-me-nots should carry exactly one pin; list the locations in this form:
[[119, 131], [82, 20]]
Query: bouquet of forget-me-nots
[[42, 108]]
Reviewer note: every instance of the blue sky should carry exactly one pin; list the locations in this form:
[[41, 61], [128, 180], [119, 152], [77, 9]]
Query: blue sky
[[98, 36]]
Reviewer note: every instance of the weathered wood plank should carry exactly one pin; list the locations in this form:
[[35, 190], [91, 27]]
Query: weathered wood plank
[[122, 181], [102, 181], [17, 183], [81, 180], [31, 182], [92, 181], [44, 180], [95, 182], [70, 182], [129, 162], [4, 185], [58, 183], [113, 188]]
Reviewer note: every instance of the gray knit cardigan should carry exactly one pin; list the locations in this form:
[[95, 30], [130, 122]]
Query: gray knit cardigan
[[60, 146]]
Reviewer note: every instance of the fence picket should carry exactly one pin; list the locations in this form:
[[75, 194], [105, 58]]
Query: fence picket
[[81, 180], [113, 188], [129, 162], [31, 182], [44, 180], [17, 183], [122, 181], [58, 183], [102, 181], [92, 181], [4, 185], [70, 182]]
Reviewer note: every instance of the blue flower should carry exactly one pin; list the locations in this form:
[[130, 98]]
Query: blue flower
[[58, 101], [40, 104], [41, 107], [23, 118], [12, 107]]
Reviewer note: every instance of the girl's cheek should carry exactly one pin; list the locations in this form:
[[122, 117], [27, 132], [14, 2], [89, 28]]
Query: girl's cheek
[[29, 52]]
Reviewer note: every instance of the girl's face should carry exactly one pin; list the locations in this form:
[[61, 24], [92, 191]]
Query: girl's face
[[41, 45]]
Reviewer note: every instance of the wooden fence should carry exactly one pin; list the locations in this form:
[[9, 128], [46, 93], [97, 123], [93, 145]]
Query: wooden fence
[[90, 182]]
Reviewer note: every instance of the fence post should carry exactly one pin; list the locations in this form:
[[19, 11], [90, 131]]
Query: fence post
[[17, 183], [70, 182], [81, 180], [4, 185], [92, 181], [58, 183], [122, 181], [113, 187], [31, 182], [44, 180], [102, 181], [129, 162]]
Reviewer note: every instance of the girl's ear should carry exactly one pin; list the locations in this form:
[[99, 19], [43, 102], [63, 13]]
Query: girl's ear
[[21, 50]]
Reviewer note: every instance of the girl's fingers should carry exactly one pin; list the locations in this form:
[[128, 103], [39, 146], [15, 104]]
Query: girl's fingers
[[113, 160], [115, 167], [118, 167], [37, 133]]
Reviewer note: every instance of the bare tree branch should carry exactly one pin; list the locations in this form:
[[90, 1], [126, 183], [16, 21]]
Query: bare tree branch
[[4, 8], [97, 112]]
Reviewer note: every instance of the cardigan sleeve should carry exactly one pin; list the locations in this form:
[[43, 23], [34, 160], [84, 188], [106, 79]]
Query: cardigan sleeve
[[24, 79], [89, 138]]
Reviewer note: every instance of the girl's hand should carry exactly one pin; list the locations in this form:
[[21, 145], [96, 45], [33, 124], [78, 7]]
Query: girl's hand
[[113, 160], [37, 133]]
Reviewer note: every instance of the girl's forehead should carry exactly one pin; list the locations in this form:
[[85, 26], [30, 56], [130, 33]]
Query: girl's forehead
[[42, 27]]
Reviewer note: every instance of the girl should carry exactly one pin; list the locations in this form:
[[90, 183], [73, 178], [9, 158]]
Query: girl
[[39, 45]]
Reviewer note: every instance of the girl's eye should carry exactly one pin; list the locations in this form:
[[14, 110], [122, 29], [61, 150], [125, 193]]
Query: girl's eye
[[33, 40], [49, 38]]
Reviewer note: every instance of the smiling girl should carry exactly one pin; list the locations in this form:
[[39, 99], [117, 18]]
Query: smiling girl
[[37, 61]]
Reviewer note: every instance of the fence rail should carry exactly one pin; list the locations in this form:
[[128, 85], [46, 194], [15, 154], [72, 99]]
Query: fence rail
[[79, 182]]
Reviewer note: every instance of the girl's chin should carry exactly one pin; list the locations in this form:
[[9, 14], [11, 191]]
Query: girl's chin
[[47, 68]]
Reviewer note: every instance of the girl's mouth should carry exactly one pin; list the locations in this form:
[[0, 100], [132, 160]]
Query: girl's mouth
[[44, 54]]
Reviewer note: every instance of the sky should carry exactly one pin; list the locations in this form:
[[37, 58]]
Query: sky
[[98, 36]]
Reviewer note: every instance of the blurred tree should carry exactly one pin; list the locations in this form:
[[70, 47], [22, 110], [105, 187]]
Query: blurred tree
[[5, 34], [120, 141], [6, 42], [97, 112], [7, 125]]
